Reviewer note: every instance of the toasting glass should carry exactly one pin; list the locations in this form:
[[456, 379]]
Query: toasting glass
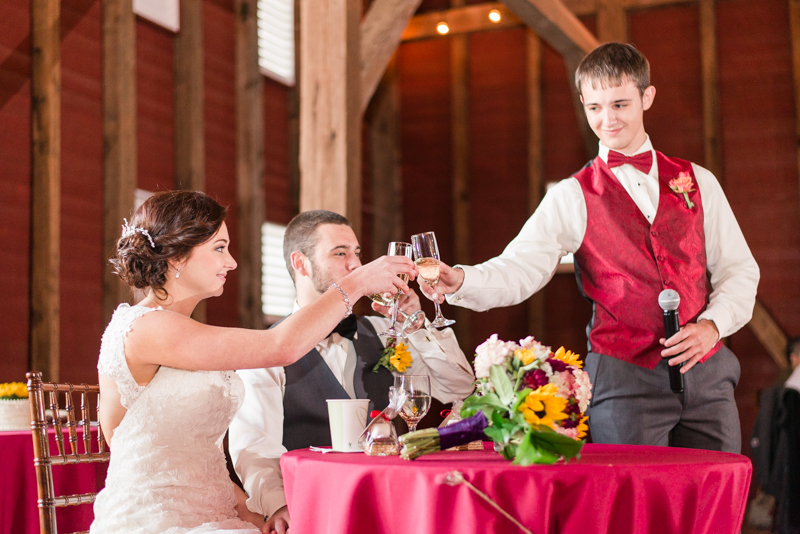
[[397, 248], [426, 257]]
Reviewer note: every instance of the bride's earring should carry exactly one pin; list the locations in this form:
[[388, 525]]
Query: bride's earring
[[178, 273]]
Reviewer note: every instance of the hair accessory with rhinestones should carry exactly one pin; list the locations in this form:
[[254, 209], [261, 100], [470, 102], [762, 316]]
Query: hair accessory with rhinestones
[[130, 229]]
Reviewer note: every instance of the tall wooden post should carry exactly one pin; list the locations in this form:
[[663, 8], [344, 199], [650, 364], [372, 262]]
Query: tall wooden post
[[708, 59], [45, 187], [612, 22], [119, 136], [190, 169], [249, 163], [330, 107], [536, 304], [794, 27], [459, 120]]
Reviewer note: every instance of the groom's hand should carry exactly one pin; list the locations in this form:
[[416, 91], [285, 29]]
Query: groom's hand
[[409, 303], [278, 523]]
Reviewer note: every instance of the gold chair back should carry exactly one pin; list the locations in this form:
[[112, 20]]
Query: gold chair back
[[48, 395]]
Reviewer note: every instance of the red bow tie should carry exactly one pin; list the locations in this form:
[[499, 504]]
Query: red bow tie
[[642, 161]]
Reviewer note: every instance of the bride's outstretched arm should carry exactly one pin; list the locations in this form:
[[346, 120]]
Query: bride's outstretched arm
[[174, 340]]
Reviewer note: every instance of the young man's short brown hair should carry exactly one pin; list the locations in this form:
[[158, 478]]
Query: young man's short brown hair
[[610, 63], [301, 233]]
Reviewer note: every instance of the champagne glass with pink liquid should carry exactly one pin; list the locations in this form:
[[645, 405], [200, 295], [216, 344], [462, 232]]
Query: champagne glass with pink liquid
[[426, 258]]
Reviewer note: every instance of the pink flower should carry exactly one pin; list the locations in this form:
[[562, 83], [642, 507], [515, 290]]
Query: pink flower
[[683, 185], [492, 352]]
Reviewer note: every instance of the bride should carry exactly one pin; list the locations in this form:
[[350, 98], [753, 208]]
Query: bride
[[167, 389]]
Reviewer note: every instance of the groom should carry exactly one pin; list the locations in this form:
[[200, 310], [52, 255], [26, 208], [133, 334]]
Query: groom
[[284, 408]]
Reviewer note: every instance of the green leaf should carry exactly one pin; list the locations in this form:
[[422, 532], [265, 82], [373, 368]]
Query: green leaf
[[529, 452], [520, 398], [502, 385], [495, 434]]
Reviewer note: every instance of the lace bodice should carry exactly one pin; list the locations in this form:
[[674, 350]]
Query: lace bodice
[[167, 472]]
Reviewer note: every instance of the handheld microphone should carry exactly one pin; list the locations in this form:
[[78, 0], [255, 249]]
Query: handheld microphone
[[669, 301]]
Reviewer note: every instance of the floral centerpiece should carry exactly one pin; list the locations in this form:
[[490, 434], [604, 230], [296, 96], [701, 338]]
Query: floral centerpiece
[[14, 408], [529, 400]]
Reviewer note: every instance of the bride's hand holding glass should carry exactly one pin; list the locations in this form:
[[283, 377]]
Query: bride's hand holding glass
[[379, 276]]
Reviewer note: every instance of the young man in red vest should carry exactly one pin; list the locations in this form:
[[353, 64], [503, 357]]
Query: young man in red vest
[[638, 222]]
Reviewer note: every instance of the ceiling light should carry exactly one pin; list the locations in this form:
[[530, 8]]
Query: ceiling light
[[442, 28], [495, 16]]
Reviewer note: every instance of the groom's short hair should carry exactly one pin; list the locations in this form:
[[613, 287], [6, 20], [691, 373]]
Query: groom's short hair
[[301, 233]]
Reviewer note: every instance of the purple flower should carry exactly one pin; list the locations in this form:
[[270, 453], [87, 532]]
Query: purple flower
[[534, 379]]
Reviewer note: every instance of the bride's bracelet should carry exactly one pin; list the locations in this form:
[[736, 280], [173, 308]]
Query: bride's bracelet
[[344, 297]]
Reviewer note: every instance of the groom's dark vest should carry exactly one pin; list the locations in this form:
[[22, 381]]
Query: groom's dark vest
[[310, 382]]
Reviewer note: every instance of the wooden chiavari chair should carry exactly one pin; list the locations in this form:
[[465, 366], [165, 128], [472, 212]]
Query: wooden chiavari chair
[[44, 458]]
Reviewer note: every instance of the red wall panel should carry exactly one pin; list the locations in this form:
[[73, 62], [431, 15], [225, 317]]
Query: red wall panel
[[15, 164], [220, 125], [279, 206]]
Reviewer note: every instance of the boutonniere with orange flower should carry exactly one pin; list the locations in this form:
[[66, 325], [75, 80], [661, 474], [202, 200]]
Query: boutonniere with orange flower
[[395, 357], [683, 185]]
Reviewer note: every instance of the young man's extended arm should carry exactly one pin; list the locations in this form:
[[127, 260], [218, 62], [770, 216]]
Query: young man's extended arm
[[255, 439]]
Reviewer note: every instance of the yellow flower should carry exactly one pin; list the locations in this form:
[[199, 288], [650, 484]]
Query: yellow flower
[[582, 427], [14, 390], [401, 359], [568, 357], [542, 407], [526, 356]]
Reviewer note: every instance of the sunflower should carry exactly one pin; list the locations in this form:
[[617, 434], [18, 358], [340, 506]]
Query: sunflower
[[542, 407], [401, 359], [582, 427], [568, 357]]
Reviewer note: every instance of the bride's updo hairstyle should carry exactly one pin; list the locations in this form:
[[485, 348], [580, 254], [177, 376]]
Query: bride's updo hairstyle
[[167, 226]]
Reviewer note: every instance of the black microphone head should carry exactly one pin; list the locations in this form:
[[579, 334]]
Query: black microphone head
[[669, 300]]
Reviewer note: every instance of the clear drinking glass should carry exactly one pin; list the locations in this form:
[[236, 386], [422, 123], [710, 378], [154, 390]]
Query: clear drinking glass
[[426, 257], [411, 323], [397, 248], [418, 398]]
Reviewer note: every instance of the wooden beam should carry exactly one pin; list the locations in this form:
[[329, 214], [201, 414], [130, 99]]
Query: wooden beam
[[770, 335], [459, 117], [708, 58], [385, 161], [612, 21], [381, 32], [45, 187], [190, 169], [294, 119], [119, 137], [330, 107], [249, 163], [465, 19], [587, 135], [536, 304], [556, 25]]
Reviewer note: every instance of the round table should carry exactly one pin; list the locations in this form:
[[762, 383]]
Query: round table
[[615, 489]]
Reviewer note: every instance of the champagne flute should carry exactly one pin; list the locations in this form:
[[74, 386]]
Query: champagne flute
[[397, 248], [411, 323], [426, 257], [418, 398]]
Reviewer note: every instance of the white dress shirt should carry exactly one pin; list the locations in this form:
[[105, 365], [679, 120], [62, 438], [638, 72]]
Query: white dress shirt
[[255, 438], [559, 223]]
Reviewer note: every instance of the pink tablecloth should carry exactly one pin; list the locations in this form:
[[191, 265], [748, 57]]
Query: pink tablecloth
[[612, 489], [18, 512]]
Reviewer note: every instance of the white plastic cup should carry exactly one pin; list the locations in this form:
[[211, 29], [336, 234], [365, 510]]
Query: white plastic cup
[[348, 418]]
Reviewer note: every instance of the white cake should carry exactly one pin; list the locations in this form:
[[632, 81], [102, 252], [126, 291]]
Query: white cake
[[15, 414]]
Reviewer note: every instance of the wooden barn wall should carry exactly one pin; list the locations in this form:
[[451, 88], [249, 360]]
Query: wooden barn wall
[[82, 257], [15, 190], [760, 174]]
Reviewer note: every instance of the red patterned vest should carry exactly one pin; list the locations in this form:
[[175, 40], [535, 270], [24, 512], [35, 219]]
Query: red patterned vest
[[624, 262]]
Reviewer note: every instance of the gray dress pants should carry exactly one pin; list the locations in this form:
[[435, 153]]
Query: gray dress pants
[[634, 405]]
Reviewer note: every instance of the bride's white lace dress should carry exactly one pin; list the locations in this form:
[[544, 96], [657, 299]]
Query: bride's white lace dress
[[167, 472]]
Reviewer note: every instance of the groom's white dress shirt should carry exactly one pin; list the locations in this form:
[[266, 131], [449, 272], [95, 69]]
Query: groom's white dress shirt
[[256, 433], [559, 223]]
